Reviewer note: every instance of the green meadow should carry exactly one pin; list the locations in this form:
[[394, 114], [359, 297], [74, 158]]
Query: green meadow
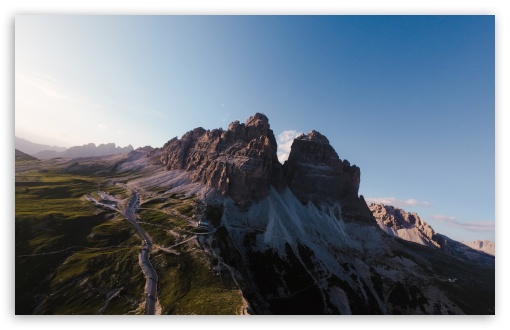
[[187, 282], [72, 257]]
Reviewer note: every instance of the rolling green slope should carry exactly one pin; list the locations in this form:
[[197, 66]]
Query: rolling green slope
[[72, 257]]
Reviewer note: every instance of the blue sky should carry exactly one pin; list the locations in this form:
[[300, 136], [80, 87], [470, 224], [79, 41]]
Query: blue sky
[[409, 99]]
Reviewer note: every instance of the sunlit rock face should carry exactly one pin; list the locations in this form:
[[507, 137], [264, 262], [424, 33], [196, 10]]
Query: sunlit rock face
[[239, 162], [406, 225], [298, 239], [409, 226], [483, 245]]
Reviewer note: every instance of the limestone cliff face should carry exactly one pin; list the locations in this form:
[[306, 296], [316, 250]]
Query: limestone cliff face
[[239, 162], [312, 245], [406, 225], [315, 173], [410, 227]]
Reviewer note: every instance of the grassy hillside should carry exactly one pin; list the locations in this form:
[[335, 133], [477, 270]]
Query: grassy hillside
[[73, 257], [65, 245], [188, 283]]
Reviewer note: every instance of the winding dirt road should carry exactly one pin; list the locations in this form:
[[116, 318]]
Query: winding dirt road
[[149, 271]]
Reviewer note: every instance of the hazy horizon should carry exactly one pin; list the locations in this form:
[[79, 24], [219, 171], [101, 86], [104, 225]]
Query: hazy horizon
[[408, 99]]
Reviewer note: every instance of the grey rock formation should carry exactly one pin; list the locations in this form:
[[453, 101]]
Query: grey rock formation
[[239, 162], [314, 172], [483, 245], [410, 227], [406, 225], [297, 238]]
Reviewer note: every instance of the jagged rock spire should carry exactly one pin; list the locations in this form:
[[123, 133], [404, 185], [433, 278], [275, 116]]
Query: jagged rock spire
[[241, 163]]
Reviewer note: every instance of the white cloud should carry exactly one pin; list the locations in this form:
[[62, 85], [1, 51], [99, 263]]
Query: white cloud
[[469, 225], [102, 127], [397, 202], [284, 141], [444, 218]]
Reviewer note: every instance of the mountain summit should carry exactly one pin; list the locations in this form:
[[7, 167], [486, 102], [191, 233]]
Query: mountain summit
[[298, 237], [315, 173], [410, 227], [42, 151], [241, 163], [295, 238]]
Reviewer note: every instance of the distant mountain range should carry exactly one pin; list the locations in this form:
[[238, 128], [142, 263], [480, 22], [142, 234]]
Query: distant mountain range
[[32, 148], [20, 156], [410, 227], [42, 151]]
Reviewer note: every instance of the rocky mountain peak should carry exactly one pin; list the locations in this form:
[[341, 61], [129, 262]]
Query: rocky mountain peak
[[241, 163], [396, 219], [315, 173], [409, 226], [256, 128], [259, 120], [314, 136], [314, 148], [194, 134]]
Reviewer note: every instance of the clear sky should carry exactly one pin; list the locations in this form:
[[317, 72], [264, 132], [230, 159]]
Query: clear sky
[[409, 99]]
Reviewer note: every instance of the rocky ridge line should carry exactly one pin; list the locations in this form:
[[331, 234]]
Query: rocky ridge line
[[482, 245], [315, 173], [400, 223], [410, 227], [241, 163], [86, 150]]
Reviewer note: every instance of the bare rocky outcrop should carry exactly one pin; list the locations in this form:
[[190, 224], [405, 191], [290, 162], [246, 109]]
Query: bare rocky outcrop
[[482, 245], [239, 162], [300, 239], [410, 227], [315, 173], [400, 223]]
